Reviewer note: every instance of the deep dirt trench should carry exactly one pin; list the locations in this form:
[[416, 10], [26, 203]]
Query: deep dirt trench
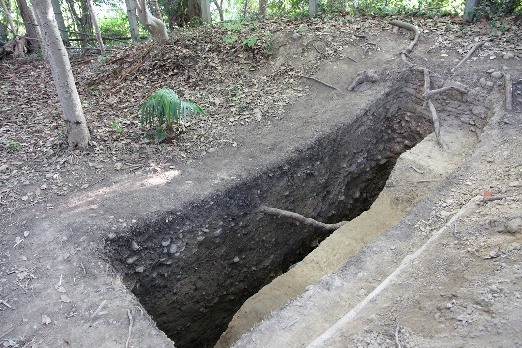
[[193, 268]]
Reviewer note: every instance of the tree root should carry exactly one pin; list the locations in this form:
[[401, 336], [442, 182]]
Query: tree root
[[431, 93], [301, 219], [362, 77], [411, 46], [321, 82], [470, 53], [434, 116]]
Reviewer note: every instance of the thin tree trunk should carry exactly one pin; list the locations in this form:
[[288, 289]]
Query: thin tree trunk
[[245, 9], [96, 27], [74, 119], [469, 10], [61, 23], [3, 34], [205, 11], [31, 29], [312, 8], [9, 18], [262, 8], [86, 26], [219, 7], [154, 25], [133, 21]]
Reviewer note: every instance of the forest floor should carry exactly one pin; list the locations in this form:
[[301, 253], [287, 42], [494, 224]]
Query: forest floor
[[243, 89]]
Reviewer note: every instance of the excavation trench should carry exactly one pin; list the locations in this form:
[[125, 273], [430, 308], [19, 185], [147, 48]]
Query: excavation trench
[[192, 268]]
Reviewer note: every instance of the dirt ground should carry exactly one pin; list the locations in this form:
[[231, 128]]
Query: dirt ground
[[53, 279]]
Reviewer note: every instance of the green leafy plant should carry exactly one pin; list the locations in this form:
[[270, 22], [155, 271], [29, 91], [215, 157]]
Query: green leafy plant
[[229, 39], [164, 109], [13, 145], [250, 41], [115, 125]]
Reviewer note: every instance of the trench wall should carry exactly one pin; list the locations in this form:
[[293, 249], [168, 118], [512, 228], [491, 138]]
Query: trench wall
[[194, 266]]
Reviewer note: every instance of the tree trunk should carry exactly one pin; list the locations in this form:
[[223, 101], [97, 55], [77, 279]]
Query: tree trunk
[[154, 25], [86, 26], [9, 18], [205, 11], [75, 124], [133, 22], [312, 8], [469, 10], [194, 9], [3, 34], [31, 29], [61, 24], [245, 9], [219, 7], [262, 8], [96, 27], [154, 8]]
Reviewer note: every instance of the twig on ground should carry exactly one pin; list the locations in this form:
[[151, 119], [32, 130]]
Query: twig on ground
[[6, 304], [470, 53], [5, 333], [509, 92], [302, 219], [411, 46], [98, 309], [350, 58], [397, 329], [131, 322], [491, 199], [362, 77], [314, 46], [321, 82], [417, 170]]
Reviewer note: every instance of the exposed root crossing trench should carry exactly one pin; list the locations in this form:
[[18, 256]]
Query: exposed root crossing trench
[[417, 173]]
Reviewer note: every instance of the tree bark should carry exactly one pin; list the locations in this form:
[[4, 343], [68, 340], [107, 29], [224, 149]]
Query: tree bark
[[469, 10], [154, 25], [312, 8], [3, 34], [61, 23], [245, 9], [205, 11], [96, 27], [133, 22], [262, 8], [74, 119], [9, 18], [31, 29]]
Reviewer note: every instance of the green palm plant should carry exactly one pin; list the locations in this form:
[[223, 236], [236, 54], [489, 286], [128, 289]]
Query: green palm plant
[[164, 109]]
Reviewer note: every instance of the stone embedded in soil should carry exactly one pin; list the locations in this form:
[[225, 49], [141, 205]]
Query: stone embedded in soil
[[514, 226], [508, 55], [496, 74]]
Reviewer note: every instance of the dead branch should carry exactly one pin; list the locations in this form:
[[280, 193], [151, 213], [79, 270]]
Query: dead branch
[[362, 77], [428, 94], [321, 82], [509, 92], [470, 53], [301, 219], [409, 27]]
